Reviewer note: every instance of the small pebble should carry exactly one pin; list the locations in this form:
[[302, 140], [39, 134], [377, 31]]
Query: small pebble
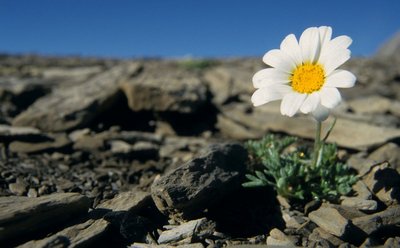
[[17, 188], [32, 192]]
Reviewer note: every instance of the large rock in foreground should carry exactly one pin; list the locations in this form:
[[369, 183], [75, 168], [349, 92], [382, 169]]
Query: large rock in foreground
[[24, 216], [202, 181], [66, 109]]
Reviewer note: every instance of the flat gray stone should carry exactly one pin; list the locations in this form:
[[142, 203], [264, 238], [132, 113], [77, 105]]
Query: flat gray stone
[[330, 220], [52, 143], [74, 107], [360, 204], [346, 133], [127, 201], [81, 235], [21, 216], [196, 185], [370, 104]]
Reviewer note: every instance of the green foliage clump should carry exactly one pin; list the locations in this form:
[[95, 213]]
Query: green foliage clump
[[290, 171]]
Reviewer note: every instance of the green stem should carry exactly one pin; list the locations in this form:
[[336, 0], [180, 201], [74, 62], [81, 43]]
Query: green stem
[[317, 144]]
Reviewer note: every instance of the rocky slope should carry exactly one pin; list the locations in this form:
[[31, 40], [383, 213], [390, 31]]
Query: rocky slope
[[147, 153]]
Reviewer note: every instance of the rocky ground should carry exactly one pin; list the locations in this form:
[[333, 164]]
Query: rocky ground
[[149, 153]]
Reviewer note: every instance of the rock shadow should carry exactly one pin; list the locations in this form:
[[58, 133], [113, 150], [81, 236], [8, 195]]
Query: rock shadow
[[247, 212], [119, 114]]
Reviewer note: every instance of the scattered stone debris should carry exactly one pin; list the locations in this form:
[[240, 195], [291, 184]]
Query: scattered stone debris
[[143, 153]]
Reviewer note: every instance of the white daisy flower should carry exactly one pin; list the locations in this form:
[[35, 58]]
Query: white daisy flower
[[304, 74]]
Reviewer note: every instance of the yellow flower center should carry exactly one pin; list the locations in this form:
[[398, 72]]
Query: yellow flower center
[[308, 78]]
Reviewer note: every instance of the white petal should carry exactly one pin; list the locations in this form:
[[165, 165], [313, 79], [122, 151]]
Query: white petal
[[320, 113], [291, 47], [265, 95], [291, 103], [330, 97], [310, 44], [311, 103], [333, 58], [325, 34], [342, 41], [266, 77], [279, 60], [340, 79]]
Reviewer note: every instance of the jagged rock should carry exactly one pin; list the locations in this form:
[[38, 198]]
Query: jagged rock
[[378, 221], [165, 88], [24, 216], [199, 229], [202, 181], [384, 181], [330, 220], [75, 107], [345, 211], [82, 235], [130, 201], [122, 213], [53, 143], [389, 152]]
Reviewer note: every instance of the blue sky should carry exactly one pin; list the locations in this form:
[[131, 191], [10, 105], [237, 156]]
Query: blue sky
[[177, 28]]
